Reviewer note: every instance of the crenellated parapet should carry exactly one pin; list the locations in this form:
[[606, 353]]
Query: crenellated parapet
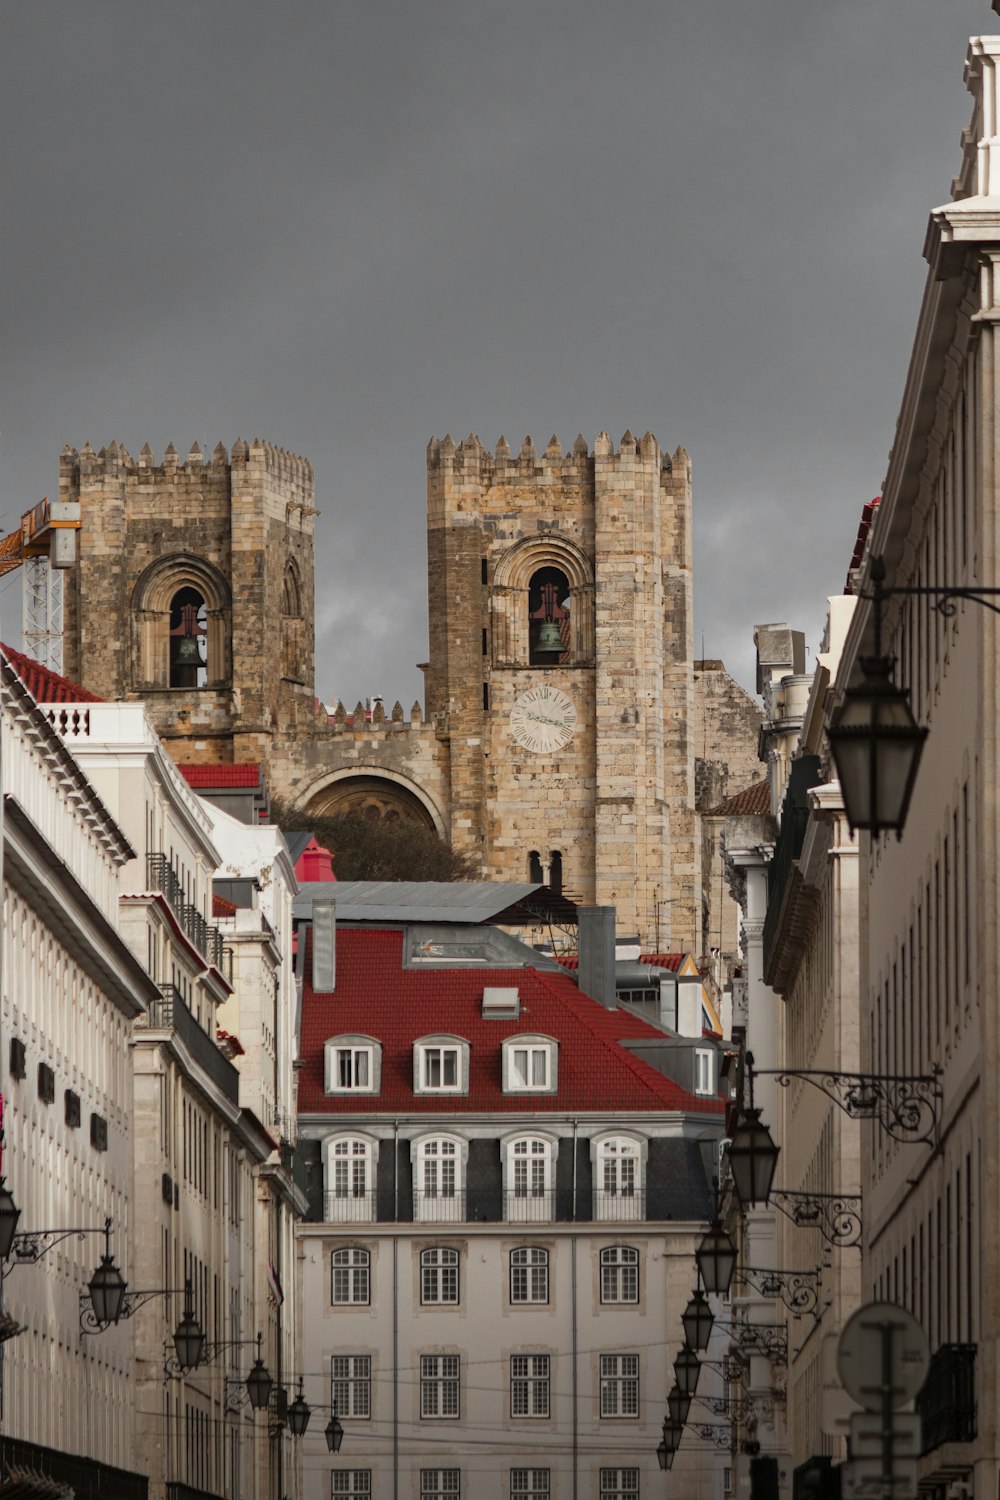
[[374, 720], [471, 458], [113, 459]]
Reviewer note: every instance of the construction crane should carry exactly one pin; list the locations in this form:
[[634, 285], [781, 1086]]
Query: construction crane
[[45, 543]]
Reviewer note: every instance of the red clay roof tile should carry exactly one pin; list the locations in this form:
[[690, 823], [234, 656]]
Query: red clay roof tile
[[375, 996], [44, 685], [217, 776]]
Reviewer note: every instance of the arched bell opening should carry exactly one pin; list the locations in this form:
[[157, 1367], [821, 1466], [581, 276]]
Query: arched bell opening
[[535, 874], [548, 618], [188, 632]]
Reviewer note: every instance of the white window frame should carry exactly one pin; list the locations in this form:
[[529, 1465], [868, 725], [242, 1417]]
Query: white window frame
[[429, 1054], [349, 1196], [619, 1177], [440, 1277], [528, 1175], [532, 1273], [355, 1484], [619, 1266], [440, 1484], [619, 1387], [439, 1179], [353, 1048], [529, 1484], [351, 1386], [440, 1387], [354, 1272], [530, 1387], [537, 1049], [619, 1484], [703, 1070]]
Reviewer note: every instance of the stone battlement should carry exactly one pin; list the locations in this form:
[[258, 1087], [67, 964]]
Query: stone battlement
[[470, 455], [115, 458], [363, 720]]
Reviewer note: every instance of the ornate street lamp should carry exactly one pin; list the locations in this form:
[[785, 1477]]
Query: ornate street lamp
[[716, 1257], [299, 1413], [876, 745], [753, 1157], [259, 1382], [678, 1406], [189, 1340], [697, 1319], [334, 1433], [107, 1286], [687, 1368]]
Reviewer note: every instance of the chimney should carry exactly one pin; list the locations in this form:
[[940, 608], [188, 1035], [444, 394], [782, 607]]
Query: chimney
[[324, 925], [596, 974]]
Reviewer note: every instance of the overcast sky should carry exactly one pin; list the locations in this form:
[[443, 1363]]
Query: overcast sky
[[349, 225]]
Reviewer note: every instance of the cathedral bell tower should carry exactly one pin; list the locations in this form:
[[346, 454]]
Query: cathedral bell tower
[[194, 592], [560, 682]]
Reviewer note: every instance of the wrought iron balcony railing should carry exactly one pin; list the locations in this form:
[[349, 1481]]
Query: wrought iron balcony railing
[[205, 937], [170, 1013], [476, 1205], [947, 1402]]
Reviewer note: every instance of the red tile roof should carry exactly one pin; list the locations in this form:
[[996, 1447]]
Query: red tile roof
[[222, 908], [754, 801], [671, 961], [219, 777], [377, 997], [44, 685]]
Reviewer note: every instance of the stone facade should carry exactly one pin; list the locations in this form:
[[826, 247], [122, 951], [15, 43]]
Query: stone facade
[[568, 572], [238, 527]]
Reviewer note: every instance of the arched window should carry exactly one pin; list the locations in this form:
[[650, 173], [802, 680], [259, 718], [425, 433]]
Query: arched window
[[350, 1180], [438, 1276], [188, 645], [292, 625], [181, 609], [535, 867], [617, 1178], [555, 870], [528, 1173], [548, 618], [619, 1274], [350, 1277], [438, 1181], [542, 605], [529, 1274]]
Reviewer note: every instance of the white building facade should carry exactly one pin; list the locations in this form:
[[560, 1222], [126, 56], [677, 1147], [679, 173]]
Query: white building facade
[[72, 990], [506, 1203]]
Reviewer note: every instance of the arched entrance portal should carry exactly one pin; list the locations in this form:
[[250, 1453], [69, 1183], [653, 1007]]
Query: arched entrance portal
[[371, 796]]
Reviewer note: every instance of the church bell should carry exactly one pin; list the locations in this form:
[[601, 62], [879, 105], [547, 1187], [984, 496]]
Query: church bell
[[549, 639], [188, 651]]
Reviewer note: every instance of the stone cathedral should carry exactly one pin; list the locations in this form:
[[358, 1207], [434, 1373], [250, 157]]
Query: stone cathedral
[[568, 735]]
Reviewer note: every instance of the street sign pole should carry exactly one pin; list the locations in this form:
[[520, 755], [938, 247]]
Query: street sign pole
[[888, 1339]]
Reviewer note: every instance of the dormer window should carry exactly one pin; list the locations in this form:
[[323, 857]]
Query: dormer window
[[441, 1066], [529, 1065], [352, 1065]]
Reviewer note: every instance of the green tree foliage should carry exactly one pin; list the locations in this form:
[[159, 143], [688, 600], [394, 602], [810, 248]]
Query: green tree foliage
[[374, 849]]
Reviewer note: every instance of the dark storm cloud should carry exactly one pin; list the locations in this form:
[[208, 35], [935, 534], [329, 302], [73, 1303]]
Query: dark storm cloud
[[350, 226]]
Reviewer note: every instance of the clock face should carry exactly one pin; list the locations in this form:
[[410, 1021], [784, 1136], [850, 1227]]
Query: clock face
[[543, 720]]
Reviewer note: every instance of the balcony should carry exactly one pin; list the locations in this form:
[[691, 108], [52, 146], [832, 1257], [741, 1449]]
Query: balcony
[[170, 1013], [482, 1206], [947, 1402], [48, 1471], [206, 938], [805, 774]]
